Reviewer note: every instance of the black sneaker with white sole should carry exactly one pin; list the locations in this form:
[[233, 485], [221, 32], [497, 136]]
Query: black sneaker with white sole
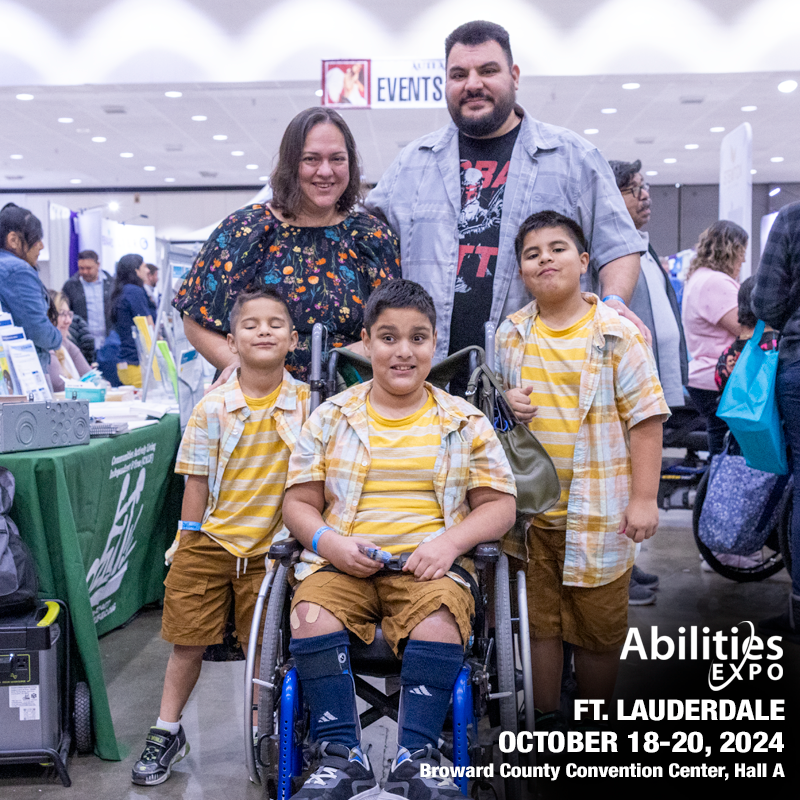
[[343, 773], [162, 750], [405, 777]]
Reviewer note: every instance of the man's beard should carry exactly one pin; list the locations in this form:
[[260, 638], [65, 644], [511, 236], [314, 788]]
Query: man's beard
[[489, 122]]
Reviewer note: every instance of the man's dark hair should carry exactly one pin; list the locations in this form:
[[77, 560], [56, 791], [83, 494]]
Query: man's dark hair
[[14, 219], [151, 268], [89, 255], [746, 316], [624, 172], [287, 195], [550, 219], [400, 293], [256, 293], [478, 32]]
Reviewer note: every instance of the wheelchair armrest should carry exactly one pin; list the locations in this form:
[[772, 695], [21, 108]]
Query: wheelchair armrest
[[286, 551], [486, 553]]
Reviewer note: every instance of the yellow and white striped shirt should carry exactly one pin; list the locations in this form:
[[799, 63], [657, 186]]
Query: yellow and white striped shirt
[[398, 508], [552, 365], [249, 508]]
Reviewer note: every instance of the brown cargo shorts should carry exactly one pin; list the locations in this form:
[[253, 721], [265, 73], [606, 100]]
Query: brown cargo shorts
[[595, 618], [201, 585], [396, 600]]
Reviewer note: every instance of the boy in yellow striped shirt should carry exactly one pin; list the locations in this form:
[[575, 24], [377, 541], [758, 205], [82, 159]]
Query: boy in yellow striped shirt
[[235, 453], [400, 467], [584, 380]]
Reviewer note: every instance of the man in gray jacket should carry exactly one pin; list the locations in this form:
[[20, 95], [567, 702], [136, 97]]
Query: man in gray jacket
[[457, 197]]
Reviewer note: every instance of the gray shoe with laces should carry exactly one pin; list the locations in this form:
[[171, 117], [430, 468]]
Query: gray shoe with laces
[[162, 750]]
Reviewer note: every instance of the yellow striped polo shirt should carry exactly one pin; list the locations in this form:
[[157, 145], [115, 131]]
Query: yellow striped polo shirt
[[398, 508], [552, 364], [249, 509]]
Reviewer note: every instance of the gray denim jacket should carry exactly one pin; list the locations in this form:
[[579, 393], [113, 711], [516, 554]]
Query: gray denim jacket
[[551, 168]]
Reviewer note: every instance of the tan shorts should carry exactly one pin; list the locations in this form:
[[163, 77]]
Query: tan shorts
[[595, 618], [397, 601], [201, 584]]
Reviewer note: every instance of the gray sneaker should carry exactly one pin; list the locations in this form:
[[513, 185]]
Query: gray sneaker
[[405, 778], [646, 579], [640, 596], [162, 749], [343, 774]]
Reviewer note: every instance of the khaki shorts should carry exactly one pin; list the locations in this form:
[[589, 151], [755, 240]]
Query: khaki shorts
[[201, 585], [396, 600], [595, 618]]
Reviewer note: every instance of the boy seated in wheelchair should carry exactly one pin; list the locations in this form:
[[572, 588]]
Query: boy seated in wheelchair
[[397, 466], [235, 452], [584, 380]]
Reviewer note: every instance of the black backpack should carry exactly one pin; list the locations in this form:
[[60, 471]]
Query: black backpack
[[18, 583]]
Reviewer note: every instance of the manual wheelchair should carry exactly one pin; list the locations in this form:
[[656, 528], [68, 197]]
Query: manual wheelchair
[[497, 665]]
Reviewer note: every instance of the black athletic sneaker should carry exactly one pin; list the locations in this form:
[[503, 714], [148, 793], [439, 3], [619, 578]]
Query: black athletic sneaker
[[405, 779], [162, 749], [342, 774]]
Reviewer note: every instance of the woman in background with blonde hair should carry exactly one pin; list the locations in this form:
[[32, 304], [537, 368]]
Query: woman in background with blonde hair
[[67, 361], [711, 316]]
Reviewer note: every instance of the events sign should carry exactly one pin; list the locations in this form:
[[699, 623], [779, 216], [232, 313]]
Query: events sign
[[365, 83], [736, 184]]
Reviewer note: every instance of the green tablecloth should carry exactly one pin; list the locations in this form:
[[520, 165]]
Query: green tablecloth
[[98, 519]]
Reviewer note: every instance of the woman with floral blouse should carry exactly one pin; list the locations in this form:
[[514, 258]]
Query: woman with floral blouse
[[308, 243]]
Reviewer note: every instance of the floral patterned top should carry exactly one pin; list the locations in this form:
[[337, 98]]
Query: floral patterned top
[[324, 274]]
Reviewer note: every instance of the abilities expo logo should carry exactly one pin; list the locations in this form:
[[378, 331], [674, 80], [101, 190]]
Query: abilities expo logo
[[734, 655]]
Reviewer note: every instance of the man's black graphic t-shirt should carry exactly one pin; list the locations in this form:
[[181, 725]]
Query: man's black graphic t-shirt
[[484, 170]]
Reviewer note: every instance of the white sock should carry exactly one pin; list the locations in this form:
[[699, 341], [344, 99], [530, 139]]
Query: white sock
[[172, 727]]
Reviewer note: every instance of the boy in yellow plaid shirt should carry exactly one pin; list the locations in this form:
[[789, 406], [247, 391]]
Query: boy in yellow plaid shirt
[[389, 468], [235, 452], [584, 380]]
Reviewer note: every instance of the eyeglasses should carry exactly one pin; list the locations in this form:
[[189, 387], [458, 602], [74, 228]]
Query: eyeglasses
[[65, 315], [636, 190]]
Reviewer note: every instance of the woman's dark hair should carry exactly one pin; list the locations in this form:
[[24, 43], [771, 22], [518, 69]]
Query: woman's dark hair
[[746, 316], [126, 273], [400, 293], [287, 196], [14, 219]]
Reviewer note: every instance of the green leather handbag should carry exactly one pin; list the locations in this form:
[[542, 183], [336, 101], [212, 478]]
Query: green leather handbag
[[538, 487]]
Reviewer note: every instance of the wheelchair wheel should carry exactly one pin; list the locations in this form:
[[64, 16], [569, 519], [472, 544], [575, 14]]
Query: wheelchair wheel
[[273, 657], [771, 558], [504, 647]]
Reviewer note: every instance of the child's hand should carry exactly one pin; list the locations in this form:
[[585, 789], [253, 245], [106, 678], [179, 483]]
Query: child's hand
[[640, 520], [344, 553], [520, 402], [431, 560]]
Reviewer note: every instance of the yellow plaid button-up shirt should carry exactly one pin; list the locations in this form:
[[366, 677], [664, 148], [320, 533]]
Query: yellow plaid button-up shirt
[[216, 426], [619, 389], [334, 448]]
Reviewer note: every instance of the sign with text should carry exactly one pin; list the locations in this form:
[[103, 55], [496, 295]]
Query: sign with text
[[736, 184], [398, 83]]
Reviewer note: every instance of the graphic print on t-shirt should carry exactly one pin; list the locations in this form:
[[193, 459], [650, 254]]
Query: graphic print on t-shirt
[[484, 170]]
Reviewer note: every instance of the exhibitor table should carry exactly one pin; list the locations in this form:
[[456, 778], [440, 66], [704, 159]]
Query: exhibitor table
[[98, 519]]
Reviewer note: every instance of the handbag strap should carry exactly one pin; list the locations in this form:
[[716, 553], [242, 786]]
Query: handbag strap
[[484, 371]]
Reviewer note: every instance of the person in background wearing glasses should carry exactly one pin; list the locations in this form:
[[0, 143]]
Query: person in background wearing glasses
[[655, 303], [67, 361]]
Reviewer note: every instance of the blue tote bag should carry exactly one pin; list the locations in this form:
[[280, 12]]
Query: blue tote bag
[[750, 407]]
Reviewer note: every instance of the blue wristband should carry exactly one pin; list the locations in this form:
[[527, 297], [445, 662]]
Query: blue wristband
[[315, 540], [615, 297], [189, 526]]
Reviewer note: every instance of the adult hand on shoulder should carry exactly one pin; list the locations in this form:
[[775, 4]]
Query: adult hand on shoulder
[[431, 560], [640, 520], [624, 311], [344, 552], [223, 377], [520, 402]]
